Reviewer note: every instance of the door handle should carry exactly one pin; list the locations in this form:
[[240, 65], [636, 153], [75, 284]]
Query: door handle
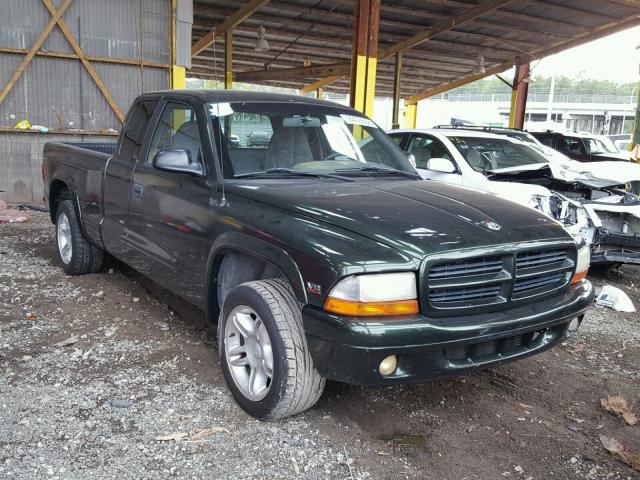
[[138, 190]]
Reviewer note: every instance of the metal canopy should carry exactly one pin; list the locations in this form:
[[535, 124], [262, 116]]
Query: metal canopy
[[440, 40]]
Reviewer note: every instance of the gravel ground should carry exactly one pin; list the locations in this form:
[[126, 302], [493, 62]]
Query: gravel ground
[[107, 376]]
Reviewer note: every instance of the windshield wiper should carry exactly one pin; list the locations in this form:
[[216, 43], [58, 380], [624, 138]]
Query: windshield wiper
[[385, 170], [292, 172]]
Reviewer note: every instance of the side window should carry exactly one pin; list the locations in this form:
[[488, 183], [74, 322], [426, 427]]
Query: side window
[[424, 148], [548, 141], [397, 139], [177, 129], [135, 130], [575, 146]]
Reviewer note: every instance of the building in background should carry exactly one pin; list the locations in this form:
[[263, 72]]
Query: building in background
[[126, 50]]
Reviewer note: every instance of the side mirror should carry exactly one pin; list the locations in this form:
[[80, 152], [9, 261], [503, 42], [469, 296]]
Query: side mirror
[[177, 160], [443, 165]]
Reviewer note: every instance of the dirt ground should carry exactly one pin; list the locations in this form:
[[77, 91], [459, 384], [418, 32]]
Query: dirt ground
[[139, 367]]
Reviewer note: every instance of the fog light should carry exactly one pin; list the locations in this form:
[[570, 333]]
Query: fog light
[[573, 326], [388, 365]]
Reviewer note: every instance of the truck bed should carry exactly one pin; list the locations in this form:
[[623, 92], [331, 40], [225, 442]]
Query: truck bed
[[81, 164]]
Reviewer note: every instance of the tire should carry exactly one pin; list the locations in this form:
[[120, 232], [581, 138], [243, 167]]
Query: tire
[[295, 385], [77, 255]]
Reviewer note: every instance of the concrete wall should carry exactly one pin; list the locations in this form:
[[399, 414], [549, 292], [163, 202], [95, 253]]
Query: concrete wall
[[58, 93]]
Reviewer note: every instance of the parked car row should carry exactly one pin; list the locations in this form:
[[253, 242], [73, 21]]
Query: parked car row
[[325, 254]]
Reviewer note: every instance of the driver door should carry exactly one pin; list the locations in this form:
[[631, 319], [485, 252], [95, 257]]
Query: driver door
[[169, 211], [424, 148]]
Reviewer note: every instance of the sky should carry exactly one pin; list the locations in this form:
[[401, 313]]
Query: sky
[[610, 58]]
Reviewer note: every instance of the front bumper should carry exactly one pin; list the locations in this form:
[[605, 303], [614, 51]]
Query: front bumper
[[612, 247], [430, 348]]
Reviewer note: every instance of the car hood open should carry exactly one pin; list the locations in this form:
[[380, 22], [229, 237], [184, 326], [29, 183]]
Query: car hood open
[[415, 217]]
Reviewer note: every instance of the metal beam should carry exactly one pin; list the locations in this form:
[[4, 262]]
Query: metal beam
[[395, 117], [91, 58], [320, 84], [228, 24], [593, 34], [228, 60], [329, 70], [448, 24], [522, 90], [55, 16], [83, 58], [366, 23]]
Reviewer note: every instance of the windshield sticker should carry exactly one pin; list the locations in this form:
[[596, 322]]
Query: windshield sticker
[[342, 141], [220, 109], [355, 120]]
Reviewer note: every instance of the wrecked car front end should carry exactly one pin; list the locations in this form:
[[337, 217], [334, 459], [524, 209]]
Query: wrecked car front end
[[599, 211]]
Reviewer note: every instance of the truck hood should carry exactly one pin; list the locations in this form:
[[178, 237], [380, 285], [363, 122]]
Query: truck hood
[[416, 217]]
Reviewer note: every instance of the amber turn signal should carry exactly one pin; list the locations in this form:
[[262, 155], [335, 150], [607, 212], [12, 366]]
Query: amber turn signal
[[371, 309], [579, 276]]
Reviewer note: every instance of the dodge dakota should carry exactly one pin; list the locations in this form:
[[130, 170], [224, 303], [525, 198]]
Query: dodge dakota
[[318, 254]]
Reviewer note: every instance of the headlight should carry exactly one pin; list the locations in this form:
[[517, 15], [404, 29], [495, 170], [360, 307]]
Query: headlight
[[384, 294], [540, 203], [582, 264], [535, 202]]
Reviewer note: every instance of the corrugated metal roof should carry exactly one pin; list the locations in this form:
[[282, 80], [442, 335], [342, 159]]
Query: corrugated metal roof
[[320, 31]]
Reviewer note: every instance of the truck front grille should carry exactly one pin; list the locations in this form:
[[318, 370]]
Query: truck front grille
[[465, 282]]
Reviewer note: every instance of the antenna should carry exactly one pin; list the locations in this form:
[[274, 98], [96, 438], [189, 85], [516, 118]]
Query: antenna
[[218, 144]]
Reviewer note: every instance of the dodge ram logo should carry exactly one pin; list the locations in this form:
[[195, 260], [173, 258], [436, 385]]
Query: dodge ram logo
[[491, 225]]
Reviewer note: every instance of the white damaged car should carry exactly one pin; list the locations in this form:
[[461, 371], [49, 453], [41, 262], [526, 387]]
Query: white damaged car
[[589, 199]]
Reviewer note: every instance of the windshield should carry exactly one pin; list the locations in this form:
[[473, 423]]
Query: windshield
[[290, 139], [526, 138], [608, 145], [489, 154]]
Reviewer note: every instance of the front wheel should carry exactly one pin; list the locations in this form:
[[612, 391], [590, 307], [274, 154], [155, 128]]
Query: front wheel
[[264, 353]]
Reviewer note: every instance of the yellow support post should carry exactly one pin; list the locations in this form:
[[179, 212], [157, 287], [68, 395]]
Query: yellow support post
[[228, 60], [364, 55], [514, 96], [410, 115], [178, 78]]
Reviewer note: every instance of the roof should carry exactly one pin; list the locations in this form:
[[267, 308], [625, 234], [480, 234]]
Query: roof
[[216, 96], [319, 32], [451, 132]]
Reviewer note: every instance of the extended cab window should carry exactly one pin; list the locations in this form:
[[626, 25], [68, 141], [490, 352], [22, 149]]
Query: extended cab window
[[135, 130], [424, 148], [177, 129]]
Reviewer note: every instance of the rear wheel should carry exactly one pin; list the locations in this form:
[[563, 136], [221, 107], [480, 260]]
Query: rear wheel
[[76, 253], [264, 353]]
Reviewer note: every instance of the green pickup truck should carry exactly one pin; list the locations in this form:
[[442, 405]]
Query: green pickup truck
[[318, 253]]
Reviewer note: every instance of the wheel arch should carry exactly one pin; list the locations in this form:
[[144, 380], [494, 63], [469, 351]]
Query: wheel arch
[[57, 188], [255, 248]]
